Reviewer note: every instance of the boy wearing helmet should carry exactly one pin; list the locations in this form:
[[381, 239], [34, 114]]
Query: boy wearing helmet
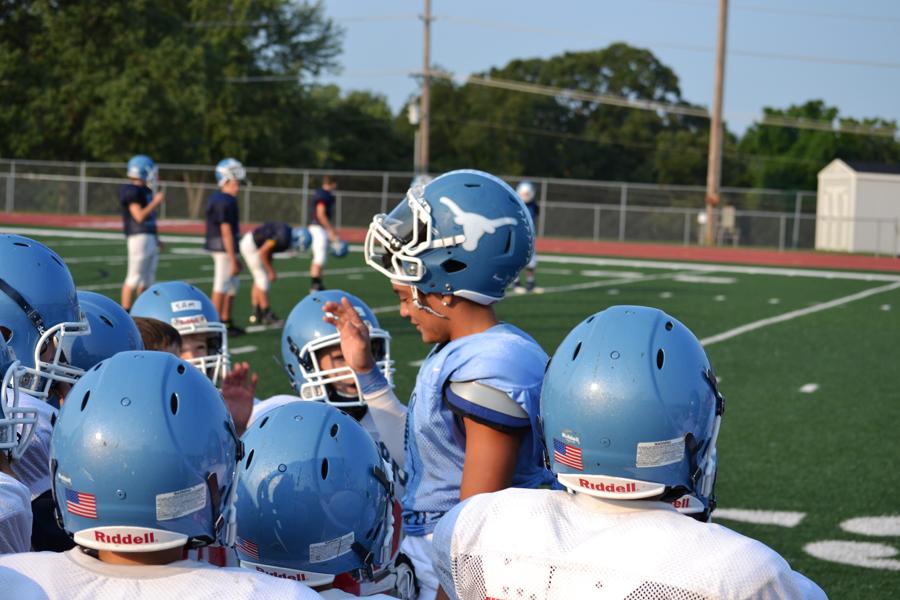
[[630, 413], [139, 200], [257, 248], [143, 459], [526, 192], [16, 427], [321, 228], [315, 504], [222, 233], [450, 249]]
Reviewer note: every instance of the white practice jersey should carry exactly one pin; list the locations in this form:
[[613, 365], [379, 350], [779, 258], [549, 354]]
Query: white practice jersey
[[335, 594], [548, 545], [15, 516], [33, 468], [74, 575]]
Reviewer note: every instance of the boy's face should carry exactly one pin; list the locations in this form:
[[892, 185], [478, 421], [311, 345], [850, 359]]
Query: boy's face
[[231, 187], [333, 358], [194, 345], [432, 329]]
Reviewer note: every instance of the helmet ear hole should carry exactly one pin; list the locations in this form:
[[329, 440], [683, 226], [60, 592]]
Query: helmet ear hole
[[660, 358], [453, 266], [577, 350], [334, 430], [173, 403], [84, 400], [249, 460], [324, 468]]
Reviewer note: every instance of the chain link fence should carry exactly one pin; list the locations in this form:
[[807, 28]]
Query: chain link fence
[[578, 209]]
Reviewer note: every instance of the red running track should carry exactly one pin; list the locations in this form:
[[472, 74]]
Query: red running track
[[746, 256]]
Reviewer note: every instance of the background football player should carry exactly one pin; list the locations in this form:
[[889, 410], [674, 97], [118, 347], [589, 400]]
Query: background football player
[[630, 414], [139, 200], [257, 248], [526, 192], [222, 232]]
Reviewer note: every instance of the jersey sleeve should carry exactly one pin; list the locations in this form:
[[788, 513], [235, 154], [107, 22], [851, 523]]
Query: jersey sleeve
[[216, 214], [15, 517], [486, 405], [129, 195]]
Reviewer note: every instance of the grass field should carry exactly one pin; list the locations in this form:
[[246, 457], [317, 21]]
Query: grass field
[[812, 423]]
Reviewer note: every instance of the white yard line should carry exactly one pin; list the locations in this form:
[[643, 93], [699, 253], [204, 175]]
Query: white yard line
[[760, 517], [794, 314]]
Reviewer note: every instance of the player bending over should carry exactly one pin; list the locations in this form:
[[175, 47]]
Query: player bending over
[[450, 249], [257, 248], [630, 412], [315, 504], [144, 457]]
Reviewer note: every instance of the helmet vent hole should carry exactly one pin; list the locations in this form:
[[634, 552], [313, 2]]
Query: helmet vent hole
[[669, 325], [59, 262], [472, 185], [249, 460], [324, 468], [508, 241], [173, 403], [577, 350], [334, 430], [589, 319], [106, 320], [23, 244], [453, 266], [180, 369], [263, 422], [84, 400], [98, 365], [660, 358]]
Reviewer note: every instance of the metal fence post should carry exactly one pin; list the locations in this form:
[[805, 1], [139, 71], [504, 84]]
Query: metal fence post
[[782, 225], [623, 204], [11, 187], [338, 205], [542, 217], [877, 238], [384, 192], [687, 227], [247, 189], [82, 188], [798, 205], [304, 194], [596, 223]]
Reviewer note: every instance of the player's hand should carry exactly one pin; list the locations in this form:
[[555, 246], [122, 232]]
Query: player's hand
[[272, 275], [159, 197], [160, 245], [238, 389], [235, 267], [355, 343]]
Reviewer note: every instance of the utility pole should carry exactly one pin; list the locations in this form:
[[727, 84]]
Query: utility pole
[[425, 99], [714, 168]]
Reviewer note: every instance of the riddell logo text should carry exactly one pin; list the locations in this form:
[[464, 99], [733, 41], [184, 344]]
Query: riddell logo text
[[295, 576], [608, 487], [682, 503], [125, 540]]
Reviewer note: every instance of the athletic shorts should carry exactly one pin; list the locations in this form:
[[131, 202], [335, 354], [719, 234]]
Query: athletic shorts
[[143, 256], [532, 264], [319, 244], [223, 282], [250, 254]]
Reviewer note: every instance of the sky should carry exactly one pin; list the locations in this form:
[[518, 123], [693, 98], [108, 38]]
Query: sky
[[779, 52]]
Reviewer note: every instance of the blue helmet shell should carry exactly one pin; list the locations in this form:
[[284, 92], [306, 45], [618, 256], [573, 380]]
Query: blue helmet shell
[[315, 497], [228, 169], [465, 233], [630, 409], [112, 331], [142, 167], [143, 456]]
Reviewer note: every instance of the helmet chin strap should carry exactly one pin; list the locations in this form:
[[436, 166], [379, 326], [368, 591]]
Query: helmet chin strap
[[418, 304]]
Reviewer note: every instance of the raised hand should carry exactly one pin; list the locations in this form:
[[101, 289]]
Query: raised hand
[[355, 343], [238, 389]]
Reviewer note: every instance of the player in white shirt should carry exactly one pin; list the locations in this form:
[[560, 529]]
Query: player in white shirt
[[143, 463], [630, 414], [16, 427], [315, 504]]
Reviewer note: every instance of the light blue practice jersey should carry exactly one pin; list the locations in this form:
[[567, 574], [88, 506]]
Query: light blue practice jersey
[[503, 357]]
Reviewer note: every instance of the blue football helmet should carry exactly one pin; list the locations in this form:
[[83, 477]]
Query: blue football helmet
[[112, 331], [228, 169], [630, 409], [339, 248], [305, 333], [16, 421], [314, 498], [301, 239], [190, 311], [143, 456], [143, 168], [465, 233], [526, 191], [39, 313]]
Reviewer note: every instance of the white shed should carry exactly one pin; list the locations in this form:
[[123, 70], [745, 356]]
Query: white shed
[[858, 208]]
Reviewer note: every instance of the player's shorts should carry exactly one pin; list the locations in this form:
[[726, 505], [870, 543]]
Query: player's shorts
[[143, 256], [319, 244], [419, 551], [223, 282], [250, 254], [532, 264]]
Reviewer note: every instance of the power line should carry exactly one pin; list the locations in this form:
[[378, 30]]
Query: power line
[[793, 12]]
